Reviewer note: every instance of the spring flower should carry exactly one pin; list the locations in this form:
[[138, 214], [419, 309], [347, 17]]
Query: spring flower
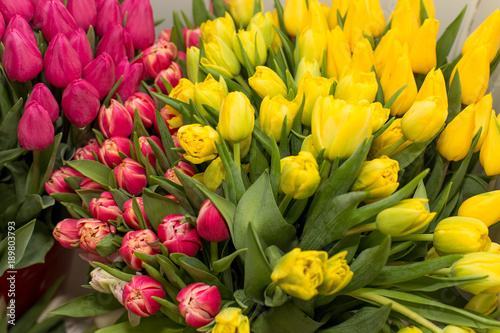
[[214, 174], [172, 75], [173, 120], [337, 6], [306, 66], [363, 16], [357, 85], [264, 21], [92, 231], [55, 18], [144, 105], [311, 88], [385, 140], [482, 110], [405, 21], [129, 215], [236, 118], [457, 329], [460, 235], [404, 218], [102, 281], [363, 58], [491, 148], [140, 22], [139, 241], [105, 207], [80, 102], [66, 233], [19, 23], [337, 274], [158, 57], [199, 303], [131, 176], [299, 175], [210, 92], [198, 142], [115, 120], [312, 43], [56, 184], [117, 42], [241, 11], [35, 130], [101, 74], [272, 114], [434, 85], [338, 53], [423, 50], [308, 145], [109, 14], [253, 43], [183, 167], [488, 33], [223, 27], [379, 177], [89, 184], [85, 153], [220, 58], [191, 37], [210, 223], [455, 140], [84, 12], [61, 62], [146, 149], [108, 153], [411, 329], [296, 16], [137, 295], [479, 264], [379, 115], [22, 59], [485, 303], [80, 43], [231, 320], [266, 82], [9, 9], [179, 237], [424, 119], [193, 63], [482, 207]]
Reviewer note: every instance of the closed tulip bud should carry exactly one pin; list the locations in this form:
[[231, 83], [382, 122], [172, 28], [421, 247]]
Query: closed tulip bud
[[317, 15], [85, 153], [385, 50], [56, 19], [299, 175], [210, 223], [147, 150], [66, 233], [105, 208], [102, 281], [311, 88], [57, 184], [172, 75], [221, 58], [476, 265], [236, 118], [482, 110], [109, 14], [423, 50], [18, 22], [42, 95], [424, 119], [35, 130], [337, 275], [144, 105], [411, 329], [133, 73], [482, 207], [80, 43], [485, 303], [404, 218], [266, 82], [198, 142], [129, 215], [272, 114], [299, 273], [363, 58], [312, 43], [429, 8], [199, 303], [306, 66], [214, 174], [139, 241], [193, 63], [137, 295], [338, 53], [460, 235], [100, 73], [363, 17], [494, 248], [379, 177], [84, 12], [22, 60], [340, 6], [231, 320], [108, 153], [210, 92], [241, 11], [191, 37], [89, 184], [131, 176], [183, 167], [184, 91], [399, 75], [80, 102], [179, 237], [434, 85], [158, 57], [172, 118], [385, 140], [455, 140], [487, 34], [432, 254], [61, 62], [308, 146], [222, 27], [491, 148], [37, 17], [352, 126], [357, 86], [405, 21], [9, 9], [264, 21], [115, 120], [140, 23], [379, 115], [253, 44], [91, 232], [474, 69], [117, 42], [457, 329], [296, 16]]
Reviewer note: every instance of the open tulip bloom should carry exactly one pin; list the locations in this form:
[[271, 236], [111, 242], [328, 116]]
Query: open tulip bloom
[[307, 170]]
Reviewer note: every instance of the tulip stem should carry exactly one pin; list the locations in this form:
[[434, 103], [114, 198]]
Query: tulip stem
[[36, 172], [361, 228], [371, 296], [389, 151], [284, 204], [415, 237], [495, 314], [445, 170], [243, 83], [214, 254], [236, 155], [492, 184]]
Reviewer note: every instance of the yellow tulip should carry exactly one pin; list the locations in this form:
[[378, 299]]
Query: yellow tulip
[[483, 207], [485, 303], [424, 119], [457, 329], [231, 320], [266, 82], [337, 275], [482, 110], [494, 248], [236, 118], [244, 146], [363, 57], [265, 23], [423, 49], [296, 16], [276, 39], [490, 150], [479, 264], [363, 17], [432, 254], [214, 174], [487, 34], [311, 88], [272, 114], [455, 140], [460, 235], [210, 92], [317, 19], [312, 43], [379, 177], [474, 69], [385, 140], [338, 53], [429, 8], [338, 127], [326, 10], [253, 42], [385, 51], [404, 20], [379, 115], [241, 11], [221, 58], [222, 27], [193, 63], [411, 329], [299, 175], [357, 86], [306, 66], [434, 85], [198, 142], [340, 6], [308, 145], [183, 91]]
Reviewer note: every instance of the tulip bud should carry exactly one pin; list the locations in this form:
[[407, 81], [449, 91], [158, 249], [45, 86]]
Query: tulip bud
[[102, 281], [158, 57], [266, 82], [179, 237], [89, 184], [433, 85], [66, 233], [424, 119], [308, 146], [358, 86], [80, 43], [137, 295], [272, 114], [85, 153], [42, 95], [214, 174], [199, 303], [117, 43], [131, 176], [198, 142], [56, 19], [129, 213], [253, 45], [220, 57], [482, 207], [411, 329], [337, 6], [191, 37], [299, 175], [91, 232], [210, 223], [311, 88], [222, 27], [482, 110], [429, 8], [491, 148], [379, 177], [237, 117], [172, 118], [105, 208], [115, 120], [385, 140], [35, 130], [193, 63], [108, 153], [264, 21], [300, 273], [295, 15], [84, 12], [9, 9], [460, 235], [109, 14], [18, 22], [144, 105], [22, 59], [487, 34], [57, 184], [100, 73], [337, 275], [183, 167], [455, 140], [338, 53], [147, 150], [423, 50], [61, 62], [306, 66], [172, 75], [363, 58], [184, 91], [479, 264], [363, 17], [231, 320], [312, 43], [404, 218], [405, 21], [139, 241], [485, 303], [133, 73], [385, 50], [379, 115], [140, 23], [80, 102], [210, 92], [457, 329]]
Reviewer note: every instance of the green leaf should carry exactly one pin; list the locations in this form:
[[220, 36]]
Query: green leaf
[[423, 12], [40, 243], [219, 9], [288, 47], [224, 206], [445, 42], [434, 283], [494, 63], [8, 127], [224, 263], [157, 207], [275, 170], [193, 193], [172, 273], [115, 272], [200, 13], [454, 98], [263, 139], [46, 164], [96, 171], [233, 175], [433, 183], [157, 324], [178, 28], [393, 98], [380, 91], [32, 206], [176, 190], [279, 10], [367, 319], [9, 258], [88, 305], [257, 268], [105, 247], [10, 155]]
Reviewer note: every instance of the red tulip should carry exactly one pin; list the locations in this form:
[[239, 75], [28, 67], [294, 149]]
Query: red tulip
[[55, 18], [80, 43], [117, 43], [42, 95], [133, 73], [147, 150], [85, 153], [183, 167], [109, 14], [61, 63], [115, 120], [80, 102], [179, 237], [172, 75], [158, 57], [18, 22], [91, 232], [129, 213], [66, 233], [57, 184], [139, 241], [210, 223], [22, 60], [199, 303], [105, 208], [140, 23], [131, 176], [137, 295], [10, 8], [109, 152], [84, 12], [144, 105]]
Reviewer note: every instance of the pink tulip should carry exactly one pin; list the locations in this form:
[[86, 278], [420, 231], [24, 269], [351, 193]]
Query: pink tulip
[[2, 26], [139, 241], [191, 36], [179, 237], [89, 184], [57, 184], [42, 95], [80, 43], [84, 12], [117, 43], [66, 233], [18, 22], [140, 23], [147, 150], [22, 60], [137, 295], [61, 63], [35, 130], [80, 102], [129, 213], [199, 303], [115, 120], [172, 118], [100, 73], [55, 18], [158, 57], [10, 8], [144, 105], [131, 176], [91, 232], [210, 223], [109, 14], [105, 207], [181, 55], [172, 75], [109, 151], [37, 18], [133, 73], [183, 167], [165, 35], [85, 153]]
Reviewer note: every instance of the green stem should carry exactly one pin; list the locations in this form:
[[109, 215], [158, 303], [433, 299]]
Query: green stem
[[370, 296], [495, 314], [236, 155], [243, 83], [361, 228], [445, 170], [493, 182], [415, 237], [214, 253], [284, 204], [443, 271], [389, 151], [36, 172], [325, 171]]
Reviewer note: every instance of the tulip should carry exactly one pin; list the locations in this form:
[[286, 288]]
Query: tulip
[[22, 59], [115, 120], [317, 18], [9, 9], [89, 184], [84, 12], [61, 62], [429, 8], [266, 82], [172, 75], [140, 23], [91, 232], [494, 248], [482, 207], [191, 37], [385, 140], [404, 218], [109, 14], [210, 92], [137, 295], [131, 176], [117, 42], [214, 174], [109, 151], [272, 114], [222, 27], [241, 11], [295, 15], [102, 281], [352, 125], [482, 110], [253, 44], [424, 119], [457, 329], [423, 50], [340, 6], [299, 273], [220, 58], [158, 57], [199, 303], [357, 85], [35, 130], [411, 329], [100, 73], [146, 149], [139, 241], [312, 43], [485, 303], [129, 215], [172, 118], [299, 175], [491, 147], [455, 140], [363, 58], [308, 146], [460, 235], [405, 21], [132, 73], [237, 117], [179, 237], [80, 102], [66, 233], [311, 88], [474, 69], [56, 19], [57, 184], [210, 223], [18, 22], [337, 275], [42, 95], [379, 177], [105, 208], [264, 21], [479, 264], [183, 167], [433, 85], [363, 17], [198, 142], [80, 43], [385, 50], [231, 320], [144, 105], [338, 53], [487, 34], [379, 115], [399, 75], [37, 17], [306, 66], [193, 63]]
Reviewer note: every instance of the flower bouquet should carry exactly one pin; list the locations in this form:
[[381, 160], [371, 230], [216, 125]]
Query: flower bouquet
[[313, 173]]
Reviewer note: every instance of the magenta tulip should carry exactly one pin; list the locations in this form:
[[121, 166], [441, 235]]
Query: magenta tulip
[[11, 8], [117, 43], [183, 167], [80, 43], [133, 73], [85, 153], [172, 118], [91, 232], [139, 241], [131, 176], [172, 75], [147, 150], [179, 237], [165, 35], [109, 14], [66, 233], [199, 303], [100, 73], [191, 37], [18, 22], [37, 18], [61, 63], [55, 18], [105, 208], [210, 223], [115, 120], [140, 23], [89, 184], [158, 57], [84, 12], [2, 26], [22, 60], [129, 213], [57, 184], [137, 295], [144, 105], [35, 130], [42, 95], [109, 152], [80, 102]]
